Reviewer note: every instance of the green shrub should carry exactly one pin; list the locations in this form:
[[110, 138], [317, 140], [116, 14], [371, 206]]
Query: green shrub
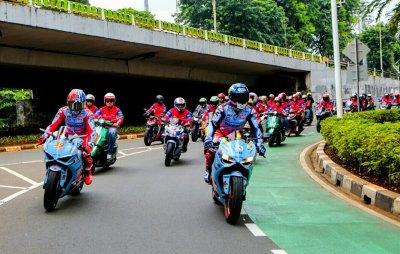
[[368, 141]]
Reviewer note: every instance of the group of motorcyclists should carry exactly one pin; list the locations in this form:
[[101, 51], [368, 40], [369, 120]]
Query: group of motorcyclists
[[365, 102], [219, 116]]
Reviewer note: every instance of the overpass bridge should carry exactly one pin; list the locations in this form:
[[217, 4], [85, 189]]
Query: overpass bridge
[[51, 46]]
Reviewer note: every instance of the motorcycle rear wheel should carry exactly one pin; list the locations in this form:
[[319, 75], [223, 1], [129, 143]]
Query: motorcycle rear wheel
[[271, 141], [234, 201], [168, 154], [50, 199]]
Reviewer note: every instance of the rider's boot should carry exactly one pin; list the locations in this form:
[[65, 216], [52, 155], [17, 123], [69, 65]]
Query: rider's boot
[[88, 164]]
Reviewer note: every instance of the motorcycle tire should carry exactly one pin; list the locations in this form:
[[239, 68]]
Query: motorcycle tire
[[271, 141], [148, 137], [234, 201], [318, 126], [50, 199], [168, 154], [195, 133]]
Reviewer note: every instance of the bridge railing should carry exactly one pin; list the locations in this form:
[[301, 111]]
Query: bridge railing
[[129, 19]]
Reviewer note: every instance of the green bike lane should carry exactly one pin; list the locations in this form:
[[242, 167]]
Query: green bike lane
[[302, 217]]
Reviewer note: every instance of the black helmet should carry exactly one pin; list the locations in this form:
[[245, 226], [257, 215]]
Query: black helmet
[[160, 99]]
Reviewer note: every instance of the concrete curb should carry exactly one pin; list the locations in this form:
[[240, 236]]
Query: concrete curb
[[35, 146], [372, 194]]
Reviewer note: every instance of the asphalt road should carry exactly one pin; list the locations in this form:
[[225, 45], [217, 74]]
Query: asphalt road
[[137, 206]]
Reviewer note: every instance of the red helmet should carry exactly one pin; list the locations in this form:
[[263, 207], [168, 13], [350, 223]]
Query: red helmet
[[109, 96], [282, 95], [325, 96], [279, 99], [221, 96]]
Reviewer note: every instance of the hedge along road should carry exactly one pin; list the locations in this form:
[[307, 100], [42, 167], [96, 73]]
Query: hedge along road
[[302, 217]]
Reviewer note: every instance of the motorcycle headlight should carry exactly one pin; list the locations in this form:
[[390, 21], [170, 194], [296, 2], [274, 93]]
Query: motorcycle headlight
[[65, 158], [227, 159], [248, 161]]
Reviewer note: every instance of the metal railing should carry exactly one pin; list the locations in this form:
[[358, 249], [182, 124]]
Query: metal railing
[[129, 19]]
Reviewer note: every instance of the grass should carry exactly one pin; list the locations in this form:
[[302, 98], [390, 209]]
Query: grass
[[15, 140]]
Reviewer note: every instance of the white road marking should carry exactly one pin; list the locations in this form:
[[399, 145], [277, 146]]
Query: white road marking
[[12, 187], [254, 229], [35, 184], [120, 152], [5, 200], [278, 252], [19, 175]]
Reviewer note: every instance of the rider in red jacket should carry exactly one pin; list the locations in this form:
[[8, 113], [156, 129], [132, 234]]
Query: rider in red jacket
[[90, 103], [158, 109], [113, 114], [184, 116], [77, 117]]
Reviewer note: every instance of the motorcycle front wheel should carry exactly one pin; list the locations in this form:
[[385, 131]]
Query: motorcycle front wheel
[[148, 136], [234, 201], [168, 154], [318, 125], [195, 133], [50, 191]]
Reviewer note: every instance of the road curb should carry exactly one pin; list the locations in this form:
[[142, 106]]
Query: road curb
[[35, 146], [372, 194]]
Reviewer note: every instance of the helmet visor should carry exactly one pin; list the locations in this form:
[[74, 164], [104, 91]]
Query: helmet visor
[[241, 98], [75, 106], [180, 106]]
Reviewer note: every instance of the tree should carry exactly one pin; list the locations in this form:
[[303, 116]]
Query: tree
[[81, 1], [259, 20], [134, 12], [390, 47], [306, 24], [8, 102], [380, 5]]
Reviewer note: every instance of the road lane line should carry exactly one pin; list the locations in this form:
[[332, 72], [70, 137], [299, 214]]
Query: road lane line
[[149, 150], [278, 252], [12, 187], [19, 175], [254, 229], [120, 152], [5, 200]]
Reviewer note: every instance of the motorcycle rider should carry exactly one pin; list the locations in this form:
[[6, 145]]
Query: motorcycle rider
[[326, 102], [201, 108], [185, 118], [113, 114], [353, 103], [297, 107], [271, 101], [230, 117], [370, 102], [208, 114], [158, 109], [90, 103], [81, 121], [386, 101], [396, 99], [278, 107], [222, 99]]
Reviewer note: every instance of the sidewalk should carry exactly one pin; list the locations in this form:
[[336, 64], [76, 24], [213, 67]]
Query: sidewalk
[[302, 217], [35, 146]]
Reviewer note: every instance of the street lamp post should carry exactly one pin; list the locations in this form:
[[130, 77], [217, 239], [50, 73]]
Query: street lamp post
[[214, 4], [380, 47], [336, 55], [146, 5]]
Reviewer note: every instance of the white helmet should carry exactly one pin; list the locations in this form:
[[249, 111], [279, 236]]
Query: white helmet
[[90, 97], [109, 96], [180, 104]]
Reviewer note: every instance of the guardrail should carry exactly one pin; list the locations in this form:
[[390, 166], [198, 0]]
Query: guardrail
[[129, 19], [153, 24]]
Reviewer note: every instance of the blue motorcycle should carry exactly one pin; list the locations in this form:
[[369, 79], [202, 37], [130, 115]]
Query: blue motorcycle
[[64, 166], [231, 172]]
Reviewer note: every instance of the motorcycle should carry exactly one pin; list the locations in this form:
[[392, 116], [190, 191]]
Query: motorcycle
[[274, 129], [174, 135], [321, 114], [294, 123], [64, 166], [154, 130], [231, 172], [310, 118], [100, 150], [198, 129]]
